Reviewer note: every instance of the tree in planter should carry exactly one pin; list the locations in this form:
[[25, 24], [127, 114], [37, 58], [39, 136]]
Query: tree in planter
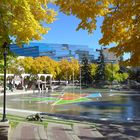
[[86, 77]]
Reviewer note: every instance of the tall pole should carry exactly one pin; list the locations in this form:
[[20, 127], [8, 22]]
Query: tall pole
[[73, 80], [112, 72], [4, 96], [66, 75], [80, 80]]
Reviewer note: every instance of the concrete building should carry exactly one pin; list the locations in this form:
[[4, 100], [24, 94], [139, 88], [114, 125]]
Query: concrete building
[[110, 56]]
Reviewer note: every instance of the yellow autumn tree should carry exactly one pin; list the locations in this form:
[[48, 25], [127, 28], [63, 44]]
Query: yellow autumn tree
[[26, 64], [45, 65], [74, 69], [50, 66], [69, 69], [65, 70], [121, 23], [23, 20]]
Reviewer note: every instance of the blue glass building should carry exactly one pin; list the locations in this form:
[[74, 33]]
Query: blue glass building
[[54, 51]]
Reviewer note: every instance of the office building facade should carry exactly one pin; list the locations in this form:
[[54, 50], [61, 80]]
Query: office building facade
[[54, 51]]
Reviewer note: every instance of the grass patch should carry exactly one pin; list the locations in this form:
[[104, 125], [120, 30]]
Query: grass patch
[[41, 99], [13, 124], [15, 120], [12, 117]]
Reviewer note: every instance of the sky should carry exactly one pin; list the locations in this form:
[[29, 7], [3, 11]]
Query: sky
[[63, 31]]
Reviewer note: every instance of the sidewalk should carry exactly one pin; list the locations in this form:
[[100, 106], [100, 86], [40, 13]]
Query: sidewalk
[[28, 131], [85, 131], [76, 131], [60, 132], [18, 112], [54, 131], [16, 92]]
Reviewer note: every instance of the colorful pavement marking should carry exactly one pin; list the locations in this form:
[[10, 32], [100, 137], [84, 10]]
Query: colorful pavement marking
[[44, 99], [61, 102], [71, 96], [67, 98], [41, 99], [94, 95]]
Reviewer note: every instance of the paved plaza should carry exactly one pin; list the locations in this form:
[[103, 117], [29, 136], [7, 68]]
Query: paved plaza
[[78, 131], [54, 130]]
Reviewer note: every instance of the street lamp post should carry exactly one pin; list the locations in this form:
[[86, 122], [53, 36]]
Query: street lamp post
[[4, 83], [80, 78], [112, 72], [73, 79]]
